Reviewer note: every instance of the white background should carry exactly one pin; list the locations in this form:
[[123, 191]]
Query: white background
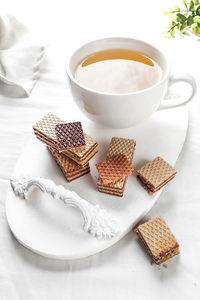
[[123, 271]]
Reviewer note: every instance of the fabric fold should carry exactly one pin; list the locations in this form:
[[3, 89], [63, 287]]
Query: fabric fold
[[20, 58]]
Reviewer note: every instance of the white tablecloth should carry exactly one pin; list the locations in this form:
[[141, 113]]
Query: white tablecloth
[[123, 271]]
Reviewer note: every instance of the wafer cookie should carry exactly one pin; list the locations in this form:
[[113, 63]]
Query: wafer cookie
[[155, 174], [70, 169], [158, 240], [114, 168], [69, 136], [118, 146], [45, 131]]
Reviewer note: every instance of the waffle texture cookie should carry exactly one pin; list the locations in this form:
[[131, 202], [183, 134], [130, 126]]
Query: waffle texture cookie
[[69, 135], [45, 128], [114, 168], [70, 169], [122, 146], [83, 155], [115, 189], [118, 146], [45, 131], [155, 174], [158, 240]]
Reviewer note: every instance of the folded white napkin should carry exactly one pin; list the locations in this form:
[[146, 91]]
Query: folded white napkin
[[20, 58]]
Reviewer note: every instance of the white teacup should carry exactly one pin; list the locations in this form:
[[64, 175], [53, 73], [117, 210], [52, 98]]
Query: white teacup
[[124, 110]]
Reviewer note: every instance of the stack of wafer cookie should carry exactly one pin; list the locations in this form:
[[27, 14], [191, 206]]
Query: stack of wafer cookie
[[68, 144], [115, 169]]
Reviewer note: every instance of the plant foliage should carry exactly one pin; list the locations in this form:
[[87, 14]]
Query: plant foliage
[[184, 17]]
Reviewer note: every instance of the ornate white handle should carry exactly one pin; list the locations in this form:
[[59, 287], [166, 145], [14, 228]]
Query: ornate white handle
[[96, 220]]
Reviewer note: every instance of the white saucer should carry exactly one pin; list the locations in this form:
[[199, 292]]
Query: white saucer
[[54, 230]]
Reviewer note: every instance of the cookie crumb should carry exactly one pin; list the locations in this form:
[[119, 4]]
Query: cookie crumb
[[165, 266]]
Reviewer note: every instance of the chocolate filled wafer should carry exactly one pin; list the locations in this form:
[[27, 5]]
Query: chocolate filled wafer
[[155, 174], [158, 240], [114, 168], [45, 131], [115, 189], [118, 146], [70, 169], [69, 135], [82, 155]]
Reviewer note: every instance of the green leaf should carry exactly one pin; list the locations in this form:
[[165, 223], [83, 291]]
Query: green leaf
[[181, 18], [166, 34], [172, 32], [183, 27], [165, 12], [196, 2], [197, 19], [172, 23], [195, 29], [170, 15], [194, 25], [191, 6], [190, 20], [179, 26], [198, 10], [184, 2], [176, 8]]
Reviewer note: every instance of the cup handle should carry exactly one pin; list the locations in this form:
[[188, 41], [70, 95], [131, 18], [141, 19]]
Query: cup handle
[[177, 102]]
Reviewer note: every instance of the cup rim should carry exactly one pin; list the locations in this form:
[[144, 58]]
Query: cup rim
[[71, 76]]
